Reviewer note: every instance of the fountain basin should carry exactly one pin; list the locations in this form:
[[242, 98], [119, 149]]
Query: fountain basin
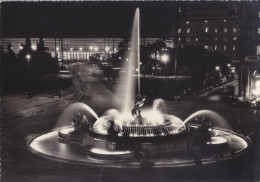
[[170, 152]]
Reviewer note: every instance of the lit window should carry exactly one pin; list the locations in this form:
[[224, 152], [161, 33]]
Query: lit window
[[206, 21], [187, 22], [234, 30], [206, 47], [225, 30], [225, 48], [179, 39], [258, 31], [258, 50], [188, 30], [224, 20], [179, 30], [234, 47], [196, 39], [216, 47], [187, 38], [206, 29], [216, 30], [234, 38], [259, 14]]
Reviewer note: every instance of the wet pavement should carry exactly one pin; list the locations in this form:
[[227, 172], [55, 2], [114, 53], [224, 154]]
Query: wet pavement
[[22, 118]]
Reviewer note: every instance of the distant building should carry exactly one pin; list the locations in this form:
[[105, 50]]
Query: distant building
[[233, 30], [73, 48]]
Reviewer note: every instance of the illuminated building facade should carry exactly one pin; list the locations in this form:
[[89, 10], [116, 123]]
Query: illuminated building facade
[[233, 29], [73, 48]]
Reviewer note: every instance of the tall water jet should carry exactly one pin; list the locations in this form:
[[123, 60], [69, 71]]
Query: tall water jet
[[131, 65], [138, 49]]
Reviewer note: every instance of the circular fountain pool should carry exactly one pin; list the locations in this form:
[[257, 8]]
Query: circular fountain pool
[[171, 152], [152, 139]]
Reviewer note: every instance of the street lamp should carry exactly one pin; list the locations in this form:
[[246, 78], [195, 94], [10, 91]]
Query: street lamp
[[217, 68], [28, 57], [165, 59]]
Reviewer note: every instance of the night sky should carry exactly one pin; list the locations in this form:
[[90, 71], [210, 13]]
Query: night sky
[[93, 19]]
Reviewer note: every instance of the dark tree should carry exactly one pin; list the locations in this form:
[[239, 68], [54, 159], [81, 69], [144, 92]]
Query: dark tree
[[122, 50], [10, 65]]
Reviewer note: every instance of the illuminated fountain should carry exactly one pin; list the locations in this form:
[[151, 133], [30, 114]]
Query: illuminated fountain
[[135, 132], [130, 120]]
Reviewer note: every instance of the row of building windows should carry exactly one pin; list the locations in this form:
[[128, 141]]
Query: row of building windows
[[216, 47], [206, 30], [205, 21], [197, 39], [78, 55], [224, 20]]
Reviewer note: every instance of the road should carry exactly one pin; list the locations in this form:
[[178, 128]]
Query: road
[[22, 117]]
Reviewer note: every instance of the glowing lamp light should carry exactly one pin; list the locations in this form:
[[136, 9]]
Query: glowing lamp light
[[107, 49], [57, 49], [91, 48], [34, 47], [80, 48], [71, 49], [21, 47], [256, 91], [96, 48], [165, 58], [217, 68], [28, 56], [229, 65]]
